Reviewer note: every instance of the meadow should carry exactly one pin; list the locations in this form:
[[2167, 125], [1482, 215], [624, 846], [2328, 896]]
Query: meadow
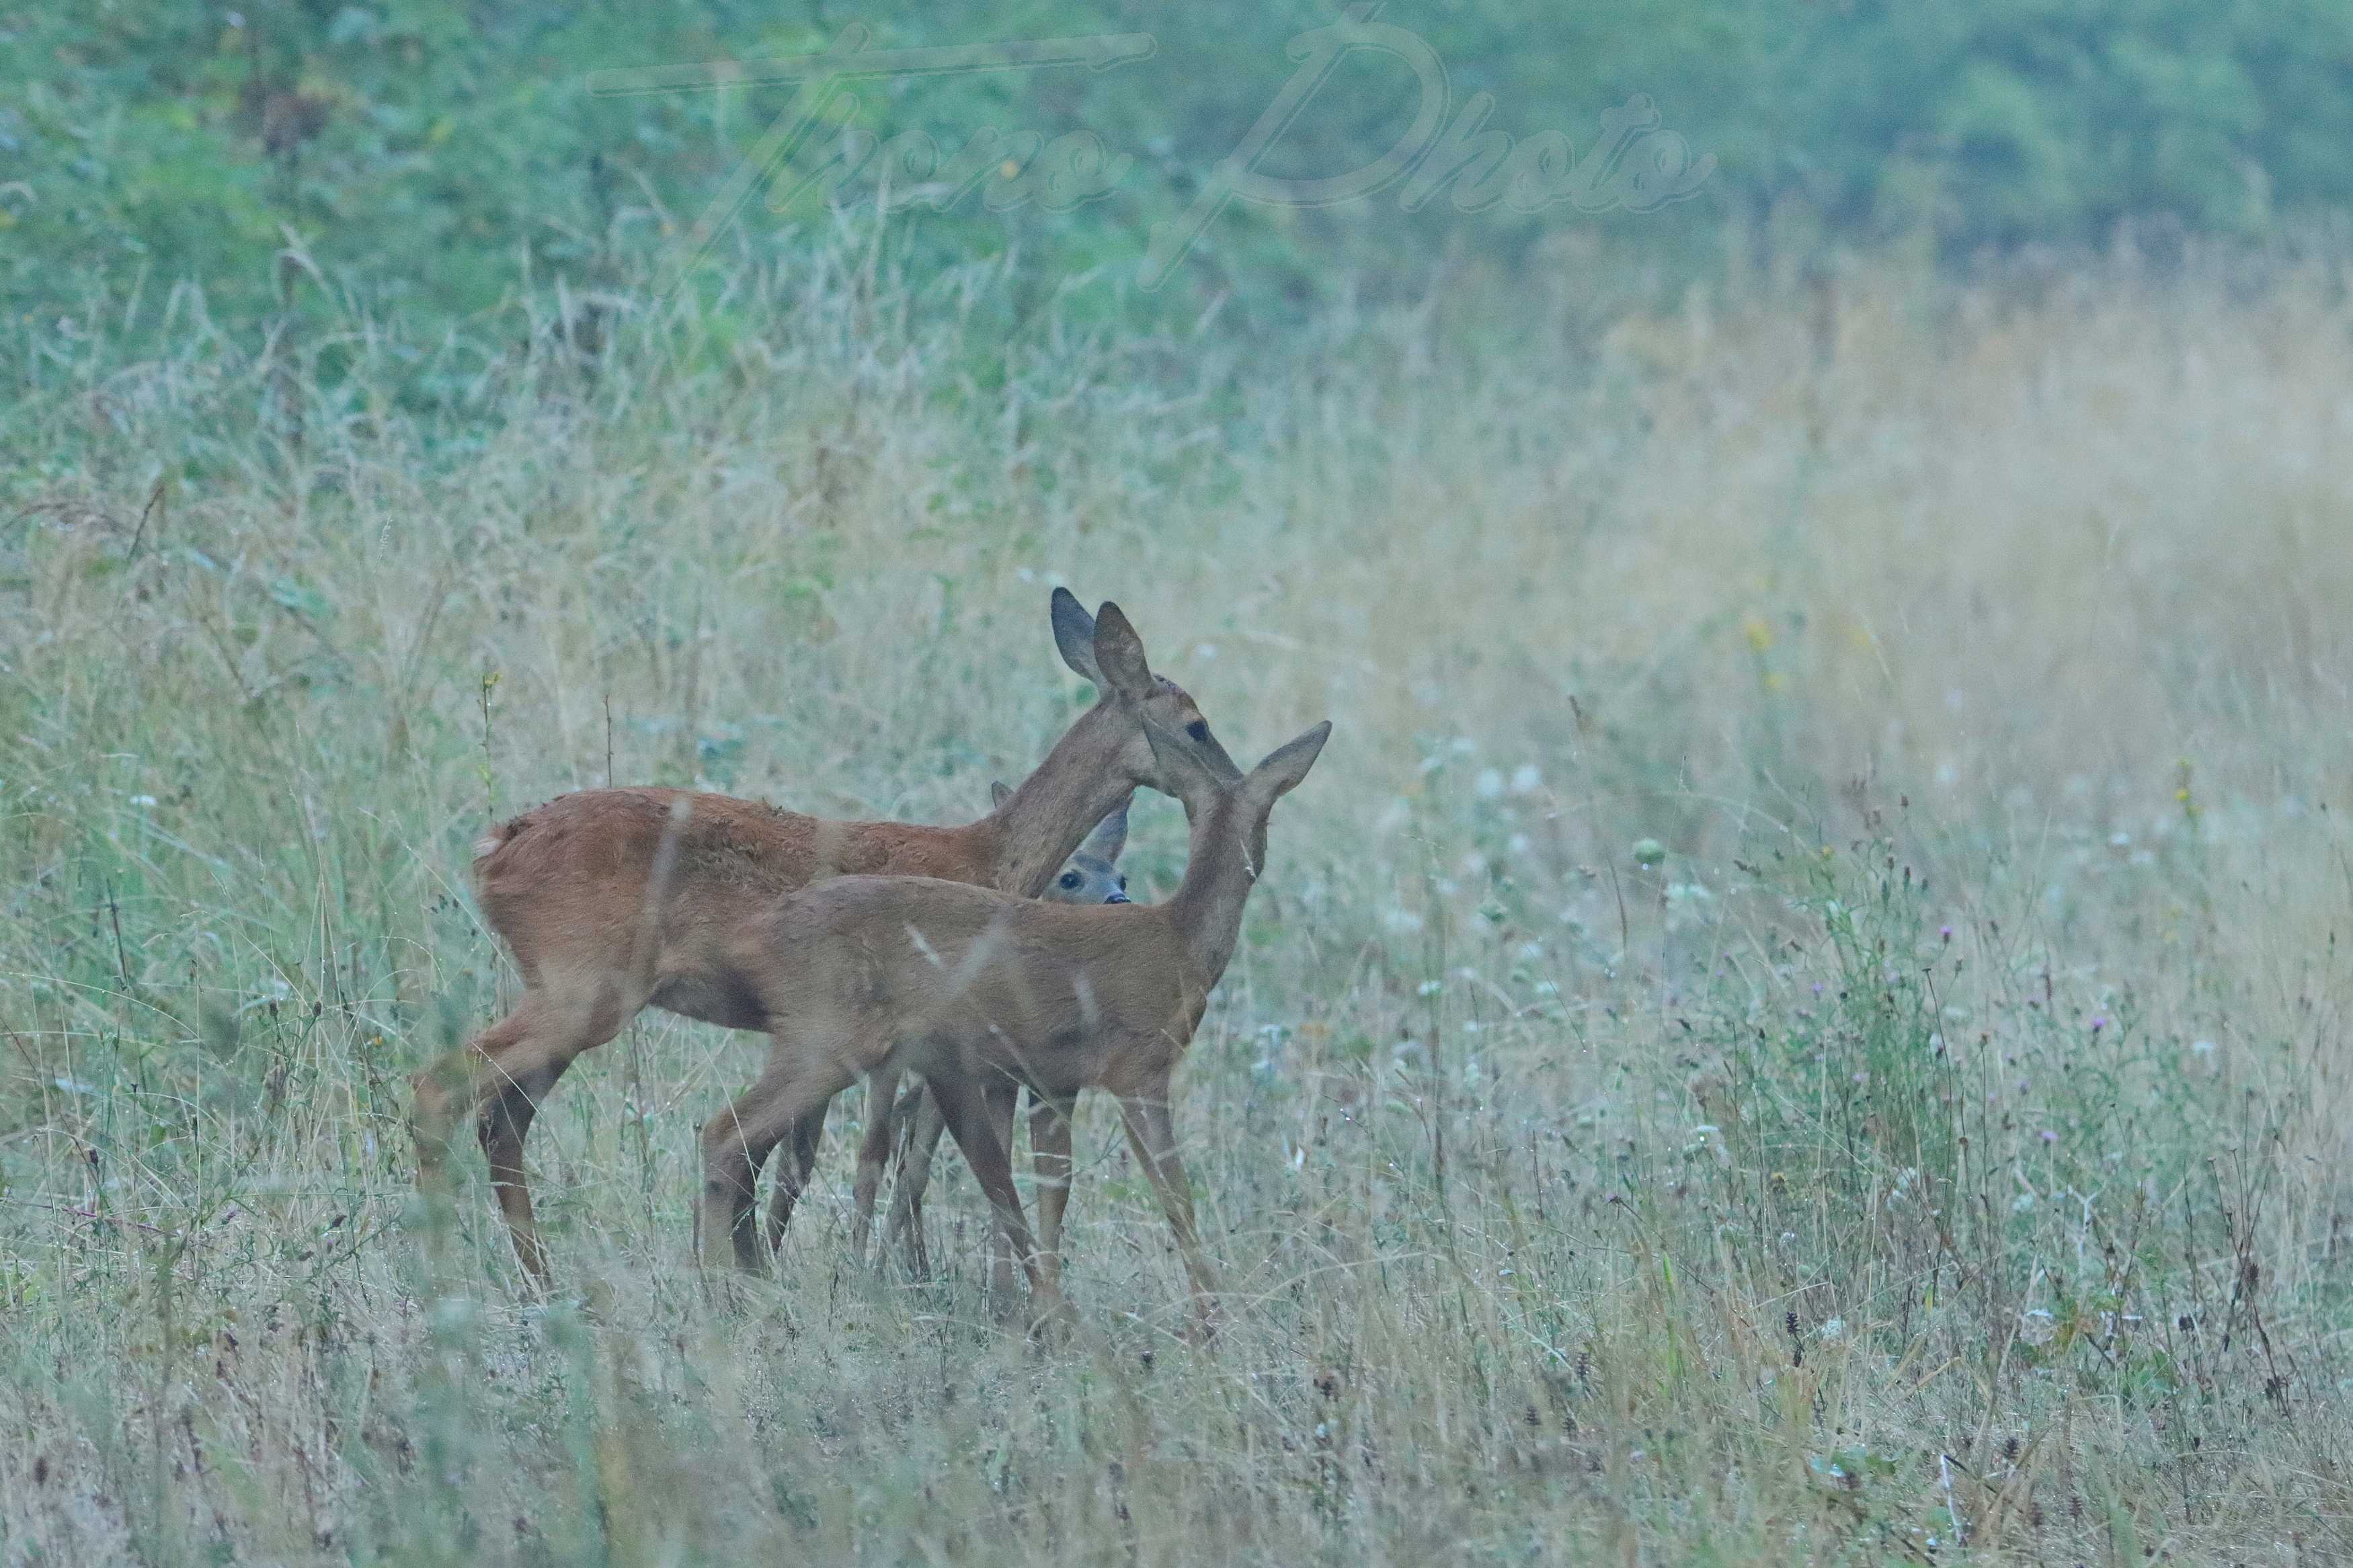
[[1800, 1018]]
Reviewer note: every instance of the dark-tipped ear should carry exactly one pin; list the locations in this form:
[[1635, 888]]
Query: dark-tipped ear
[[1119, 653], [1287, 765], [1074, 635], [999, 792], [1109, 837]]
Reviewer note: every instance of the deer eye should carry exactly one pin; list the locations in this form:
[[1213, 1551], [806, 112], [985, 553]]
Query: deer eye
[[1198, 729], [1070, 879]]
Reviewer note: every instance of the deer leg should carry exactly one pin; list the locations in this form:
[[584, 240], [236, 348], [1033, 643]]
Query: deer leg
[[790, 1098], [925, 1125], [1050, 1154], [1001, 1096], [792, 1179], [967, 1113], [874, 1153], [501, 1128], [500, 1079], [1151, 1131]]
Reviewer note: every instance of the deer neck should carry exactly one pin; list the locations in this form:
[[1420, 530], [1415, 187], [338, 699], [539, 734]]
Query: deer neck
[[1218, 873], [1056, 806]]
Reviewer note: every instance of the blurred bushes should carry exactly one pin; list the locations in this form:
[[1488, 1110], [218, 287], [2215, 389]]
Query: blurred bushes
[[435, 159]]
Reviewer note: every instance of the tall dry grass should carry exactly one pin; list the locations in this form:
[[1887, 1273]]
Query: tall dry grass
[[1931, 1146]]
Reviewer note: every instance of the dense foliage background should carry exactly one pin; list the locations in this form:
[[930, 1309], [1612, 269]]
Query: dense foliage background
[[432, 159]]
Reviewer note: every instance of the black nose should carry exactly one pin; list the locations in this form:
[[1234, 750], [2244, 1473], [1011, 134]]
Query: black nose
[[1116, 898]]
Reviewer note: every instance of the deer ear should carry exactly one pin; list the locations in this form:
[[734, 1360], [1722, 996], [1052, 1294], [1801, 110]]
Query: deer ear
[[1074, 635], [1110, 834], [1119, 652], [1287, 765], [999, 792]]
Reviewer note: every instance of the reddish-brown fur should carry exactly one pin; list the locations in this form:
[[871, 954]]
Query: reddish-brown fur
[[1090, 876], [981, 993], [615, 899]]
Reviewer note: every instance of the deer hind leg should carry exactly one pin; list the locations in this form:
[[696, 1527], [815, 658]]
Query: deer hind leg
[[1001, 1096], [792, 1177], [1049, 1153], [500, 1079], [790, 1098], [874, 1153], [968, 1118], [504, 1123], [924, 1125]]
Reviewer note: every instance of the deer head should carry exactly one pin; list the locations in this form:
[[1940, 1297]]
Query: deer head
[[1104, 650], [1229, 843]]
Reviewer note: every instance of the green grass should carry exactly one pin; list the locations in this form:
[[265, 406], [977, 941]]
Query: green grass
[[1936, 1154]]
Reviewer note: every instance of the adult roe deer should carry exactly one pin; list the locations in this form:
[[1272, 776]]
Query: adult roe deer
[[616, 899], [981, 993]]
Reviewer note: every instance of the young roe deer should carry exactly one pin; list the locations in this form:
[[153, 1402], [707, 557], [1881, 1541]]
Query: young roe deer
[[614, 899], [981, 993], [1090, 876]]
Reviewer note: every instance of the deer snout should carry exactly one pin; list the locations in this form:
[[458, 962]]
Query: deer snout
[[1117, 898]]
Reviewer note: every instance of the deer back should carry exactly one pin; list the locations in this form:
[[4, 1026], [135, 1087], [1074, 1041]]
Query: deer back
[[1066, 997], [589, 872]]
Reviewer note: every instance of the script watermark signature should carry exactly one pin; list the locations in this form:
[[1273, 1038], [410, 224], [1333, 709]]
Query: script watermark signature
[[1633, 165], [1015, 165]]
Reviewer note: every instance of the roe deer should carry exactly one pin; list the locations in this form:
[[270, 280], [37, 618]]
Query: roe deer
[[981, 993], [1090, 876], [615, 899]]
